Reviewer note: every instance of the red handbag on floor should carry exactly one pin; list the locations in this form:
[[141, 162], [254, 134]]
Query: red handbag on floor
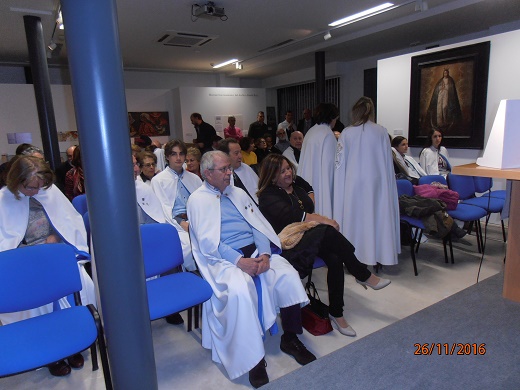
[[315, 316]]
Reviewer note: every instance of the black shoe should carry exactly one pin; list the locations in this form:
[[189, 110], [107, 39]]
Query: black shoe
[[60, 368], [174, 319], [258, 375], [297, 350], [76, 361]]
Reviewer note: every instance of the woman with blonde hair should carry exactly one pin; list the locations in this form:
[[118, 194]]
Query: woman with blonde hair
[[33, 211], [365, 192]]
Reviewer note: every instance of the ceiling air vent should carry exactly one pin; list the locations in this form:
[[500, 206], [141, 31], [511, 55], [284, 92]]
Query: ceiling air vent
[[183, 39]]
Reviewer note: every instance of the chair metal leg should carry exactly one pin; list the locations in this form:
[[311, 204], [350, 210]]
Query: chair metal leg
[[197, 315], [93, 356], [445, 250], [451, 249], [418, 239], [478, 234], [503, 230], [102, 347], [190, 318], [412, 251]]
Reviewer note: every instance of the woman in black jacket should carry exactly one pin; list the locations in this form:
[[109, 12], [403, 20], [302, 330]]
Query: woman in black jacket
[[284, 199]]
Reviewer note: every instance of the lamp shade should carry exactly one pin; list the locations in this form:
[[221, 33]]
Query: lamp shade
[[503, 146]]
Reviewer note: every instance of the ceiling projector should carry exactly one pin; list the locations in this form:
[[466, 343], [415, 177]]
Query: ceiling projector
[[208, 9]]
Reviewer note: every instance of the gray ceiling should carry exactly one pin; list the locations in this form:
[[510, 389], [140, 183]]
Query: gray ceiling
[[252, 27]]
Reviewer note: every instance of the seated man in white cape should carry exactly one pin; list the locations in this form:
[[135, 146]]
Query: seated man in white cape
[[243, 175], [232, 243], [173, 186]]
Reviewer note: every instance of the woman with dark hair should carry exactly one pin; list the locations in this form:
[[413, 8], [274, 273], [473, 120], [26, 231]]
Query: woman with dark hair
[[404, 163], [283, 202], [316, 164], [147, 162], [247, 145], [261, 150], [365, 192], [434, 157], [33, 211], [74, 179]]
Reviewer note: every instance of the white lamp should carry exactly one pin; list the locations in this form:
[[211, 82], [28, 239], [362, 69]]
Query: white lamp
[[503, 145]]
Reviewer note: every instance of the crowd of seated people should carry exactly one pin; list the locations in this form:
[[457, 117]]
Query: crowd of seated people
[[228, 220]]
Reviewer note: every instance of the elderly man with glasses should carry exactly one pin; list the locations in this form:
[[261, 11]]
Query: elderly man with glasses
[[233, 244]]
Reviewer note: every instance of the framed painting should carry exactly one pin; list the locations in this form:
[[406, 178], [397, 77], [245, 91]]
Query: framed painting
[[148, 123], [448, 93]]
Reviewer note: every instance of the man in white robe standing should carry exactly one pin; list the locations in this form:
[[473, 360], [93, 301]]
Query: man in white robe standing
[[232, 244], [243, 175], [365, 192], [173, 186], [317, 157]]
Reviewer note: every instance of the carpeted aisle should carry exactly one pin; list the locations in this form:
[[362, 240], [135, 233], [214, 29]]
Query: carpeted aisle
[[386, 359]]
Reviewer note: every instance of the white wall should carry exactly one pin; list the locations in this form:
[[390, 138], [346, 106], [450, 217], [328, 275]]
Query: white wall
[[503, 83], [212, 102]]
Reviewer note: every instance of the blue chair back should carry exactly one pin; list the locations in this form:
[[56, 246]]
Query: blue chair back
[[482, 184], [429, 179], [463, 185], [80, 203], [34, 276], [162, 250], [404, 187]]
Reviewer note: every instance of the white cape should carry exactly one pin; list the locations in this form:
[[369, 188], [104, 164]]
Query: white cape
[[14, 217], [365, 194], [164, 185], [230, 325], [249, 178], [148, 201], [289, 153], [317, 165]]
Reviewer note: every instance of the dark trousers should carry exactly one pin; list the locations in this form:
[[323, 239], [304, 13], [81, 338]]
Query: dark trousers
[[336, 251]]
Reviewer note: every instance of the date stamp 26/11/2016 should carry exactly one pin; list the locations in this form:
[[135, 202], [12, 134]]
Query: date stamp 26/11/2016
[[449, 349]]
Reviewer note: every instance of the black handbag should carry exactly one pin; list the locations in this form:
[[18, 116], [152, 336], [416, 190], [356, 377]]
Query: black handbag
[[315, 316]]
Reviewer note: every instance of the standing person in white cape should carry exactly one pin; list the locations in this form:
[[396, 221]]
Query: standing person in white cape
[[33, 211], [365, 192], [232, 243], [173, 186], [316, 164]]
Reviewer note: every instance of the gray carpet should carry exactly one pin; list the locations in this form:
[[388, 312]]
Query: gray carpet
[[386, 360]]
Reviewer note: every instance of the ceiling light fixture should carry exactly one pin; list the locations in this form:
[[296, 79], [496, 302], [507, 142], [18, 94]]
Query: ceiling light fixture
[[52, 45], [363, 15], [327, 36], [224, 63], [238, 65]]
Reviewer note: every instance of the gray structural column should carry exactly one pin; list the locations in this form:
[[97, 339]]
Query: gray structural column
[[96, 69], [319, 64], [42, 89]]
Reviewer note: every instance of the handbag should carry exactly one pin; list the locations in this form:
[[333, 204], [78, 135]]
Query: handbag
[[315, 316]]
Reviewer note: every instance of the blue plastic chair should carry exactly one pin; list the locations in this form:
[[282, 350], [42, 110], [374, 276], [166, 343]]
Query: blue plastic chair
[[34, 276], [463, 212], [465, 186], [483, 186], [405, 187], [171, 293], [80, 203]]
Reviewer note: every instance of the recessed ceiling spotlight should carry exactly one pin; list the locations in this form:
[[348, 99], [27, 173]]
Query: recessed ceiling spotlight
[[224, 63], [327, 36], [52, 46], [238, 65], [362, 15]]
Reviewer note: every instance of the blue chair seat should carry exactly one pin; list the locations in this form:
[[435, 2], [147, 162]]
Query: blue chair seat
[[161, 301], [494, 205], [466, 212], [415, 222], [46, 339], [498, 194]]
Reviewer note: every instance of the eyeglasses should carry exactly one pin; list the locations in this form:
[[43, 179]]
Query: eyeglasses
[[149, 165], [223, 170]]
